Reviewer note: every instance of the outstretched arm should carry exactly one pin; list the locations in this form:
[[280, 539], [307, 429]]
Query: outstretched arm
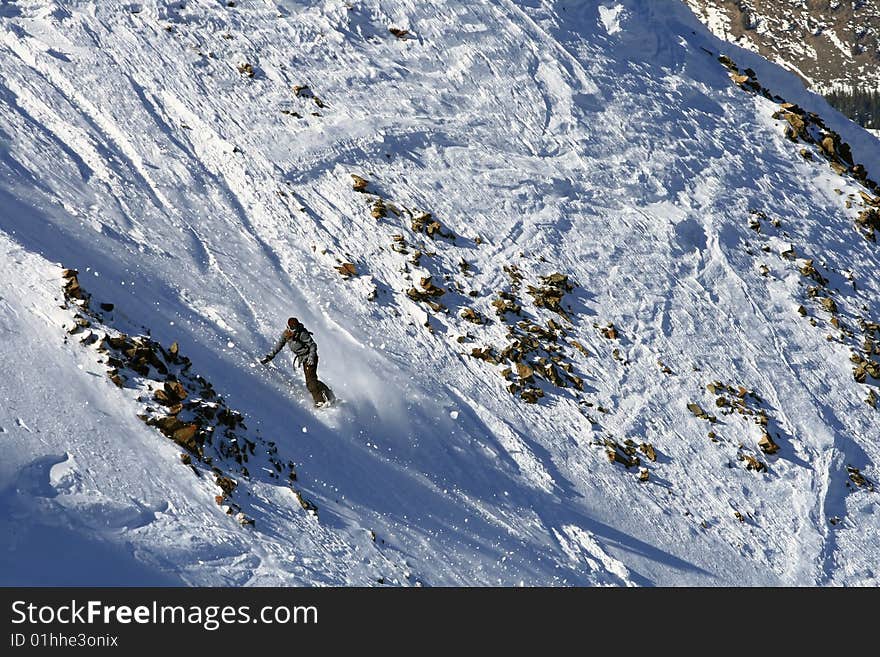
[[278, 347]]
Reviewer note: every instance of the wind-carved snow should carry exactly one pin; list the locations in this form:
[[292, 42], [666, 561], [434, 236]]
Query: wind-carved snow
[[215, 205]]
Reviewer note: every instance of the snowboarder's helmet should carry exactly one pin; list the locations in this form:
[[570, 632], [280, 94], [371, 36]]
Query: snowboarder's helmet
[[292, 322]]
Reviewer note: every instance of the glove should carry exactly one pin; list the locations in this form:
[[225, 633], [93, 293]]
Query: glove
[[264, 360], [310, 360]]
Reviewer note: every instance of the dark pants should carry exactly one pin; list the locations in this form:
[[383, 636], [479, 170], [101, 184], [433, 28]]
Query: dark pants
[[315, 387]]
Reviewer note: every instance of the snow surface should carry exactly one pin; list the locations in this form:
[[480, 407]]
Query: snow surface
[[600, 140]]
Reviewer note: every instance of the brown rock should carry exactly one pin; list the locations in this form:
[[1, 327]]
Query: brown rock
[[185, 437], [359, 184], [524, 371], [226, 484], [306, 504], [767, 445], [379, 209], [472, 316], [430, 288], [347, 269]]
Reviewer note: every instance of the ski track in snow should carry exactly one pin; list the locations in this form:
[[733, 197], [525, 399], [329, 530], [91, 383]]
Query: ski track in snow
[[599, 141]]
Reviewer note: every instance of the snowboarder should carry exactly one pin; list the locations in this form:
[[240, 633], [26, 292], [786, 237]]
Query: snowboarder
[[305, 351]]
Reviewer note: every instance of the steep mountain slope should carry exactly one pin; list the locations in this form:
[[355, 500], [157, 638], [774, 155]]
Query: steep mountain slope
[[193, 161], [832, 45]]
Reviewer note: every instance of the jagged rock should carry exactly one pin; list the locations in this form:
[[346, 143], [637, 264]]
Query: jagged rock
[[531, 395], [506, 304], [767, 445], [425, 223], [615, 454], [246, 69], [551, 293], [648, 450], [524, 371], [807, 269], [226, 484], [581, 348], [828, 304], [170, 394], [72, 289], [487, 354], [870, 200], [429, 287], [828, 146], [119, 342], [472, 316], [802, 311], [399, 33], [305, 503], [869, 218], [115, 378], [167, 424], [752, 463], [230, 418], [856, 476], [644, 475], [698, 411], [359, 184], [185, 437], [347, 269], [610, 332], [838, 168], [379, 209], [796, 127]]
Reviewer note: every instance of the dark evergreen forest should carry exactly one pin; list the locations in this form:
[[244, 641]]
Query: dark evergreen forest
[[861, 106]]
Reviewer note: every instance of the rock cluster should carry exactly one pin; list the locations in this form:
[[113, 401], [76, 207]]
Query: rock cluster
[[180, 404], [807, 127]]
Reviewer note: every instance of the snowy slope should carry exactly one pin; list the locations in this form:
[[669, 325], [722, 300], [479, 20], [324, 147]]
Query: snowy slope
[[600, 140]]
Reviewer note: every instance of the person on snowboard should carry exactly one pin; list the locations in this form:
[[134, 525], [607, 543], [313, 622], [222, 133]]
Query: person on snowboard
[[305, 351]]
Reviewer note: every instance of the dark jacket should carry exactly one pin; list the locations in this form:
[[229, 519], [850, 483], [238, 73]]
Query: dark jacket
[[301, 344]]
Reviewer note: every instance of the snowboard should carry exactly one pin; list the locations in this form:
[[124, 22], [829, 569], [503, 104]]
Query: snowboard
[[327, 393]]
